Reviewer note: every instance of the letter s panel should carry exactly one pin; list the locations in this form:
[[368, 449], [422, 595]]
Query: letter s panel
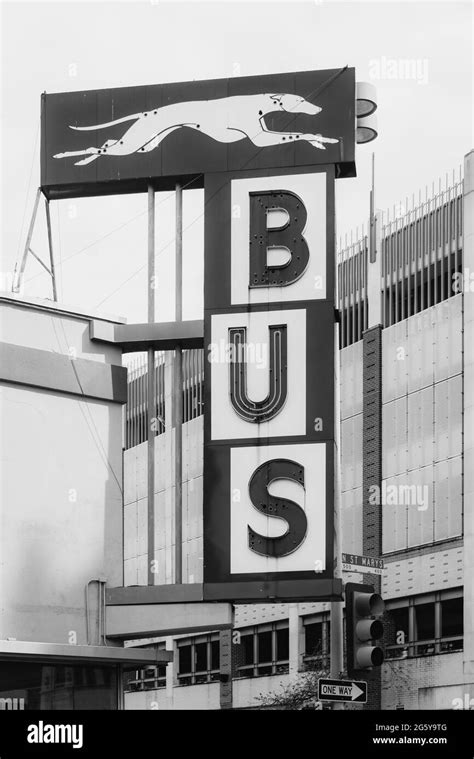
[[268, 519]]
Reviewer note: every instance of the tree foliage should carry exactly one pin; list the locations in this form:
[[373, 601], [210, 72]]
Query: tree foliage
[[301, 693]]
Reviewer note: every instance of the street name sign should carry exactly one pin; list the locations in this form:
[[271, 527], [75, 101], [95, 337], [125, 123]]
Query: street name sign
[[342, 690], [368, 564]]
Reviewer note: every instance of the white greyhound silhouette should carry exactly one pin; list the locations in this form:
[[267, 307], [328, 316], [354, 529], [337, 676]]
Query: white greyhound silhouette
[[224, 119]]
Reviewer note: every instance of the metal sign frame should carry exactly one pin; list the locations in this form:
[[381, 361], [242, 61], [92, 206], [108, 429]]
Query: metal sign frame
[[121, 140], [109, 141], [220, 582]]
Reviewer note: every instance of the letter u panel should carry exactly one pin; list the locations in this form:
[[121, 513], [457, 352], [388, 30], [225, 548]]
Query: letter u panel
[[269, 384]]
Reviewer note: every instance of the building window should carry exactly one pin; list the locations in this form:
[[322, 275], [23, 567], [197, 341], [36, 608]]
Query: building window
[[185, 657], [398, 633], [247, 645], [283, 644], [425, 625], [38, 685], [452, 624], [313, 639], [263, 650], [147, 678], [425, 628], [215, 655], [198, 659], [201, 657], [317, 641]]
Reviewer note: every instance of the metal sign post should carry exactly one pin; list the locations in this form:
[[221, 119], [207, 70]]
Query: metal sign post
[[151, 390], [20, 267], [178, 392]]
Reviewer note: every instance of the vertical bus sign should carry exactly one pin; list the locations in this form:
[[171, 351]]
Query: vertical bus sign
[[269, 421]]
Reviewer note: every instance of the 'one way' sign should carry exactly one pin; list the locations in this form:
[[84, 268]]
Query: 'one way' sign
[[342, 690]]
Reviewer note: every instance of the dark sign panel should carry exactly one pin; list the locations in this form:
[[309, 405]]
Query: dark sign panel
[[118, 140], [269, 421]]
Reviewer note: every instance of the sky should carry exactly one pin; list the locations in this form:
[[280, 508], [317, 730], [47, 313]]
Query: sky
[[418, 55]]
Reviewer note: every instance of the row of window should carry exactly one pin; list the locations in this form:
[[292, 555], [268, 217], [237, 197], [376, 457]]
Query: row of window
[[136, 419], [419, 626], [198, 660], [264, 650], [425, 625]]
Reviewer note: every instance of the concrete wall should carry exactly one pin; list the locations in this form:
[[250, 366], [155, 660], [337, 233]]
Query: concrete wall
[[61, 480], [136, 508], [181, 697], [247, 690], [422, 426], [468, 324], [52, 329], [423, 573], [351, 448], [432, 682], [422, 445], [428, 682], [422, 429], [245, 694]]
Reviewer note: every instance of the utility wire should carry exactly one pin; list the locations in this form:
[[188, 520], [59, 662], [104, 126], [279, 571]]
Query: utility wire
[[95, 437]]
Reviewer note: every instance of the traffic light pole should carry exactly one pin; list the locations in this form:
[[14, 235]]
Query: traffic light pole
[[336, 655]]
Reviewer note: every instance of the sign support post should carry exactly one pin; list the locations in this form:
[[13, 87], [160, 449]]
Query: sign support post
[[51, 254], [151, 387], [178, 391]]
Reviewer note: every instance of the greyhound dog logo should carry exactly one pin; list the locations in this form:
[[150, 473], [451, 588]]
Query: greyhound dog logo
[[225, 120]]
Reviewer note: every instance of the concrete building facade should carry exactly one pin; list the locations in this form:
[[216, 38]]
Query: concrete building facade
[[406, 324], [61, 515], [407, 474]]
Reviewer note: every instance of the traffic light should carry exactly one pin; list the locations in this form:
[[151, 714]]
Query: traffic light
[[363, 629]]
